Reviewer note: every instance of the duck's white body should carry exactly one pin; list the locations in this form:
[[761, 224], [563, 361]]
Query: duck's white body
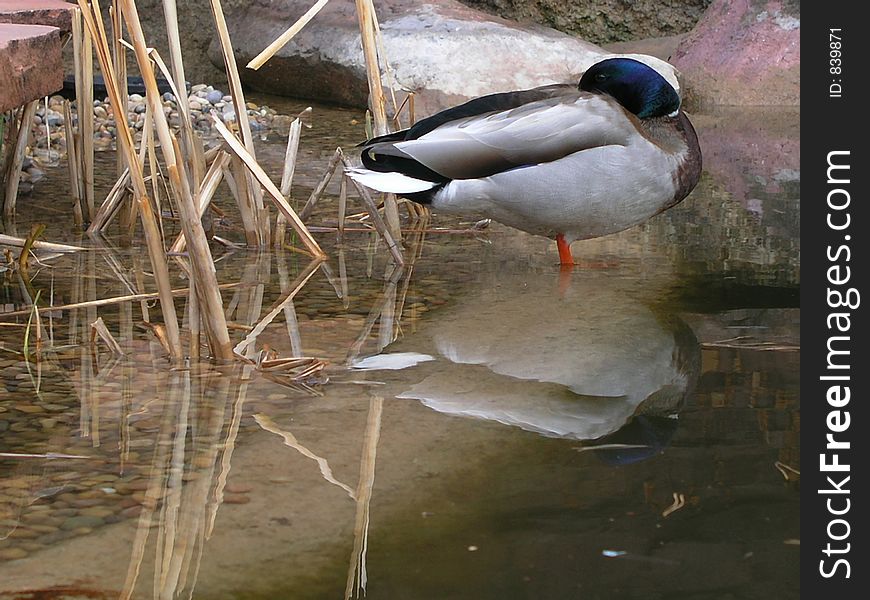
[[578, 195]]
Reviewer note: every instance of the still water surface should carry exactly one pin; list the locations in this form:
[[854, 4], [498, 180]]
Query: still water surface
[[486, 426]]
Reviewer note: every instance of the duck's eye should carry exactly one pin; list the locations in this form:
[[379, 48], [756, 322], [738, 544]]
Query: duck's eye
[[600, 77]]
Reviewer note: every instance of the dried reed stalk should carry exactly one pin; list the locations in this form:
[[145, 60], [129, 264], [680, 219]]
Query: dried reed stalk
[[189, 138], [280, 203], [377, 101], [318, 190], [240, 185], [202, 264], [205, 193], [193, 322], [108, 301], [149, 222], [85, 109], [279, 307], [111, 204], [119, 56], [287, 177], [72, 165], [13, 176], [98, 328], [254, 191], [379, 224], [285, 37], [342, 209]]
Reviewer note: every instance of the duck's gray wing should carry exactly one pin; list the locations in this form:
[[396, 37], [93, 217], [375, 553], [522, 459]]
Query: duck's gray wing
[[484, 105], [533, 133]]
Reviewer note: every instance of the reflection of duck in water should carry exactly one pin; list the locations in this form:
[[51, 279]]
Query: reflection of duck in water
[[578, 367]]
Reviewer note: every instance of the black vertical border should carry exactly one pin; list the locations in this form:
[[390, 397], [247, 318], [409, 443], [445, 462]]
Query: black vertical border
[[833, 124]]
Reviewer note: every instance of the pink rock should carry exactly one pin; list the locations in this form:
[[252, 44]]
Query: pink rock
[[30, 63], [54, 13], [743, 52]]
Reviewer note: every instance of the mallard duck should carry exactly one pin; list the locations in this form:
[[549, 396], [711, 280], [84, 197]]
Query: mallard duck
[[561, 161]]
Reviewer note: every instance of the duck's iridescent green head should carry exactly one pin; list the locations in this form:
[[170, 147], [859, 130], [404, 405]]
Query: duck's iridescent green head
[[635, 85]]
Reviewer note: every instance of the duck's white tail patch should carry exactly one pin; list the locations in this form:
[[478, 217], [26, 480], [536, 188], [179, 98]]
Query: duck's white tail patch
[[394, 183]]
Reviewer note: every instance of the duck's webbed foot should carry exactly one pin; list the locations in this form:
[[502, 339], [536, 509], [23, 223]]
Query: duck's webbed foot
[[565, 257]]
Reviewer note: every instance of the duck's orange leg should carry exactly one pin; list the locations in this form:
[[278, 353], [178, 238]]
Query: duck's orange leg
[[565, 258]]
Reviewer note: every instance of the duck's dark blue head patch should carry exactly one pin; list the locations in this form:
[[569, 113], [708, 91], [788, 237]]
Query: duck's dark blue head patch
[[638, 87]]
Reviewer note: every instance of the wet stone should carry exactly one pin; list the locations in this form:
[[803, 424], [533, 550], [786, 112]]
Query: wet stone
[[238, 488], [12, 553], [23, 534], [96, 511], [80, 522], [55, 537], [131, 511], [236, 499]]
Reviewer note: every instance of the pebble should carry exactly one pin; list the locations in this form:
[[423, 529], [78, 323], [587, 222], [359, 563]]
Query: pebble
[[82, 521], [215, 96], [96, 511], [12, 553], [238, 488], [131, 511], [236, 499]]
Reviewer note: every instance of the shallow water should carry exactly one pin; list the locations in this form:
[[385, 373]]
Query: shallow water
[[625, 431]]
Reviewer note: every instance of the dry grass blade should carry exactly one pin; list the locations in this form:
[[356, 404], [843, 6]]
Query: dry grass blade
[[8, 240], [108, 301], [119, 56], [287, 176], [13, 176], [321, 185], [679, 502], [342, 209], [72, 164], [98, 328], [285, 37], [280, 203], [255, 193]]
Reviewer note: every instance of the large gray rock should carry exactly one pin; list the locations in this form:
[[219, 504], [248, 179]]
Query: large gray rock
[[743, 52], [442, 50]]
